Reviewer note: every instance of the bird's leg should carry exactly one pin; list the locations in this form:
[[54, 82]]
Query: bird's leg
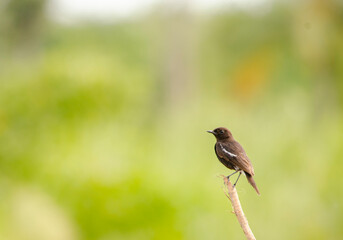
[[234, 185], [228, 177]]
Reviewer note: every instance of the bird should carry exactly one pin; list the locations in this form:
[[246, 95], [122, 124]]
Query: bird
[[232, 155]]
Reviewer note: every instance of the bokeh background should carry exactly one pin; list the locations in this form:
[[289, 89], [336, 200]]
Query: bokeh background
[[104, 107]]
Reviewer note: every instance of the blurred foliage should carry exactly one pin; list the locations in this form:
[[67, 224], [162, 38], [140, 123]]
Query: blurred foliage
[[91, 146], [22, 24]]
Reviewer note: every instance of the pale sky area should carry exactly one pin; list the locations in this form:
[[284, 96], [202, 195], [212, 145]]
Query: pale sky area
[[68, 11]]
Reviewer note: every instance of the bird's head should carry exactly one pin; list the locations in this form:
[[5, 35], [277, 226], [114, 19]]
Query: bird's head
[[221, 133]]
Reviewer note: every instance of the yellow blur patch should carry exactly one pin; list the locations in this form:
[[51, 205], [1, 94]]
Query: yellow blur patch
[[251, 75]]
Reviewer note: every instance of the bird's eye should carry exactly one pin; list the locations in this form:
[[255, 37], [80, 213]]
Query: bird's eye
[[221, 132]]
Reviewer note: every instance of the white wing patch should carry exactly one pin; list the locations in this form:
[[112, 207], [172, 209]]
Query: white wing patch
[[227, 152]]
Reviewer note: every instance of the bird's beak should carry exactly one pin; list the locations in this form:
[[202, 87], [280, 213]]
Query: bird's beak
[[209, 131]]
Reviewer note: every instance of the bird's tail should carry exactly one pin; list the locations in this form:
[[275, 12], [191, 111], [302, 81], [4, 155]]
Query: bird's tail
[[252, 182]]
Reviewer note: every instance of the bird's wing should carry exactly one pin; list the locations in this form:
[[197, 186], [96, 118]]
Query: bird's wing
[[235, 155], [221, 158]]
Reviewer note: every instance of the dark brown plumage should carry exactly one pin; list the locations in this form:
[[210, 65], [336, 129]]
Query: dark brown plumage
[[232, 155]]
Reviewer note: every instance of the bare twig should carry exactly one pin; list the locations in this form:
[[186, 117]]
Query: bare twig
[[237, 208]]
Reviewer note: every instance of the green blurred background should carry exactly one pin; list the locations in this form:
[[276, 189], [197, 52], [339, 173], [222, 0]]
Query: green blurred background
[[102, 121]]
